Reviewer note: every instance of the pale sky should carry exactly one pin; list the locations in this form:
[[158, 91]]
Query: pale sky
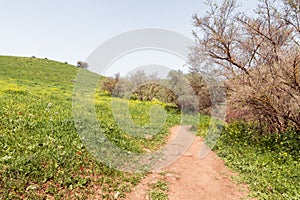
[[69, 30]]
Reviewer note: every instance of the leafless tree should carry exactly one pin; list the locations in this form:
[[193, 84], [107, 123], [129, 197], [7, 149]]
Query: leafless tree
[[258, 55], [82, 64], [109, 83]]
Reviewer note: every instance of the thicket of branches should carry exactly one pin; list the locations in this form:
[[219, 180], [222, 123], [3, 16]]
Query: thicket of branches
[[259, 58], [188, 92]]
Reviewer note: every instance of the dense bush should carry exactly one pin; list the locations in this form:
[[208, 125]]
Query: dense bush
[[109, 83], [258, 56], [189, 92]]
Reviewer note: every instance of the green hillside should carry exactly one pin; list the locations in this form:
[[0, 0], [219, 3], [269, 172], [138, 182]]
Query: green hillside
[[41, 154]]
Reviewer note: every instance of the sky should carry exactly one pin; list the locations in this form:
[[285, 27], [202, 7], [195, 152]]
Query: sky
[[70, 30]]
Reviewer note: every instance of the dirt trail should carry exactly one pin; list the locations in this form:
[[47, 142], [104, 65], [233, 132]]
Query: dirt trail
[[191, 178]]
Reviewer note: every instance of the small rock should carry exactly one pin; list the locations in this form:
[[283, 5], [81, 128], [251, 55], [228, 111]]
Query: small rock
[[188, 155], [172, 177], [152, 182], [32, 187], [148, 136], [116, 195], [147, 197], [147, 150]]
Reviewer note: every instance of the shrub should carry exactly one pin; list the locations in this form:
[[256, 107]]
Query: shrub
[[258, 56]]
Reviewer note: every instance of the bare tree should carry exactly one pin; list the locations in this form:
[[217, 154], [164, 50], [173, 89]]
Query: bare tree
[[109, 83], [259, 56], [82, 64]]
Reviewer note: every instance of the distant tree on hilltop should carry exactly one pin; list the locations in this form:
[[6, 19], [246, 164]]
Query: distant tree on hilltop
[[82, 64]]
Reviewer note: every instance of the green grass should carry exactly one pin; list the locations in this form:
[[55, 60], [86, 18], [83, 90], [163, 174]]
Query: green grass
[[41, 154], [159, 190], [269, 164]]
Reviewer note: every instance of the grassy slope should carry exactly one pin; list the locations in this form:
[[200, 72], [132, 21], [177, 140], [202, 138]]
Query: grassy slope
[[269, 164], [40, 151], [42, 155]]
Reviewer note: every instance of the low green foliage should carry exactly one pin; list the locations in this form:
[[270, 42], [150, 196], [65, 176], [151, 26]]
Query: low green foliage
[[269, 164], [41, 153], [159, 190]]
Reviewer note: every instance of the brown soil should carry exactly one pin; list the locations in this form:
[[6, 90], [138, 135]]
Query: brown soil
[[192, 178]]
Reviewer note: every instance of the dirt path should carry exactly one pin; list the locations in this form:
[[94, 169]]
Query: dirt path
[[191, 178]]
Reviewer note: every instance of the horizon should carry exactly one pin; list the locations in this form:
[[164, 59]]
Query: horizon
[[69, 31]]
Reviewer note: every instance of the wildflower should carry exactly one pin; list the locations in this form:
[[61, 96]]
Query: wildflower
[[6, 158]]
